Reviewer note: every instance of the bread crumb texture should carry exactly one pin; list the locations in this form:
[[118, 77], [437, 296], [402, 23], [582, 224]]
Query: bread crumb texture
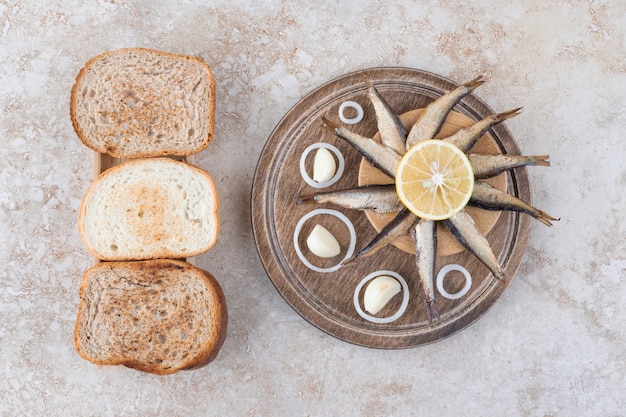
[[135, 102], [149, 209], [156, 316]]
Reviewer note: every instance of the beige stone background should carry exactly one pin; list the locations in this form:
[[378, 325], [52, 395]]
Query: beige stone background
[[553, 345]]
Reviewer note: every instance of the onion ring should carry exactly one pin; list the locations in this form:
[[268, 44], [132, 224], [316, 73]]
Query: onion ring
[[317, 212], [351, 104], [397, 314], [444, 271], [340, 168]]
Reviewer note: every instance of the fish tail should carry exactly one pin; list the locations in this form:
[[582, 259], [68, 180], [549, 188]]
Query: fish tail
[[541, 160], [500, 117], [475, 83], [545, 218], [432, 311], [306, 199], [499, 274], [330, 126], [544, 221], [349, 260], [363, 253]]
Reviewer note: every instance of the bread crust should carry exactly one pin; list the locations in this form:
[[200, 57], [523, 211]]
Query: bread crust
[[215, 204], [165, 150], [219, 324]]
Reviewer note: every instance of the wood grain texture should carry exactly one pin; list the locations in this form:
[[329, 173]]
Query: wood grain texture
[[325, 299]]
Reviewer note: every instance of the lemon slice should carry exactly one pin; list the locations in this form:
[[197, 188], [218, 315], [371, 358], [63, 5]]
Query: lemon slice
[[434, 180]]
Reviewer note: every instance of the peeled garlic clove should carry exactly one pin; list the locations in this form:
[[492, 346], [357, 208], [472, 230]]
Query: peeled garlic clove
[[324, 165], [322, 243], [379, 292]]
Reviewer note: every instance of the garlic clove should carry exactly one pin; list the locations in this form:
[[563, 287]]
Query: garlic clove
[[322, 243], [378, 293], [324, 165]]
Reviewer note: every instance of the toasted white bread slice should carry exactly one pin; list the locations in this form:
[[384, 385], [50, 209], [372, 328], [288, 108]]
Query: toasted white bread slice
[[157, 316], [149, 209], [137, 103]]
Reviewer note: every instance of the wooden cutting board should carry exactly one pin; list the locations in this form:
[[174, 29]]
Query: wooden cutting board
[[325, 299]]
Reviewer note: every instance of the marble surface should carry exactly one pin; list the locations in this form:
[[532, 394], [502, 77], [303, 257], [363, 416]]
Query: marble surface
[[553, 345]]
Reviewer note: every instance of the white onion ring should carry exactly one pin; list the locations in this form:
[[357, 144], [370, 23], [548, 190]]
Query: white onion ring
[[330, 212], [403, 305], [442, 273], [356, 106], [340, 168]]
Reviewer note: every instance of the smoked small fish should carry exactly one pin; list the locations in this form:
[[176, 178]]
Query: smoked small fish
[[379, 198], [432, 118], [487, 166], [392, 132], [379, 155], [424, 235], [399, 226], [489, 198], [464, 229], [465, 138]]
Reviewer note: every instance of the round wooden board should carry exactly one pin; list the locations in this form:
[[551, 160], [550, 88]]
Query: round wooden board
[[325, 299], [446, 243]]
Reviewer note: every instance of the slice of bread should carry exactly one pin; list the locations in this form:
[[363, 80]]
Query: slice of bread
[[148, 209], [157, 316], [137, 103]]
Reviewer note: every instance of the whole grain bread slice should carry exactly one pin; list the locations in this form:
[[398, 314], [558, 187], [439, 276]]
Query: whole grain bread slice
[[137, 103], [158, 316], [149, 209]]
